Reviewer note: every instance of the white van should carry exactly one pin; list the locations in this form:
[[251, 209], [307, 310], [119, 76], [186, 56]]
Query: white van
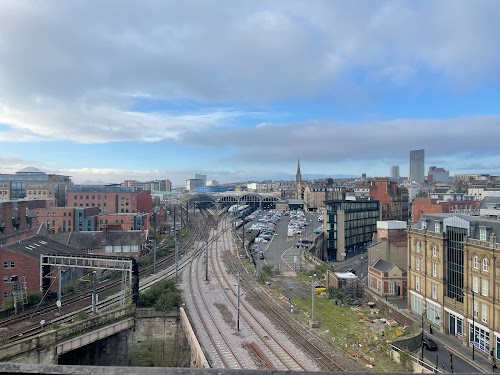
[[291, 232]]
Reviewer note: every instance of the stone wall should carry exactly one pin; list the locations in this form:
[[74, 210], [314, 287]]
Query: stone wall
[[158, 340]]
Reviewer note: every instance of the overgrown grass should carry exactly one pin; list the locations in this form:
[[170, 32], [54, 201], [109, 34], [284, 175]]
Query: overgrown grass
[[342, 325]]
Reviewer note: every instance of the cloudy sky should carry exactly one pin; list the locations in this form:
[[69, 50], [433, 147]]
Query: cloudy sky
[[111, 90]]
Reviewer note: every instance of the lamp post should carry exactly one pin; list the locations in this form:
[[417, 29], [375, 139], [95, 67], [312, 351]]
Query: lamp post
[[313, 279], [238, 308], [422, 351], [277, 256], [473, 324]]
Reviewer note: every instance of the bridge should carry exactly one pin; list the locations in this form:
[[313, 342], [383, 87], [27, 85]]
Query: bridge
[[50, 345]]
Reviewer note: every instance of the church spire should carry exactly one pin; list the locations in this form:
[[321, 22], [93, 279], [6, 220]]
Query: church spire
[[298, 177]]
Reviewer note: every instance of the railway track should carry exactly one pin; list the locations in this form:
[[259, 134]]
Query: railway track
[[311, 344], [280, 357], [223, 350], [26, 324]]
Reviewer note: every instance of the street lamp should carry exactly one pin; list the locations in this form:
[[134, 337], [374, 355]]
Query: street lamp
[[277, 256], [422, 349], [313, 279], [473, 325]]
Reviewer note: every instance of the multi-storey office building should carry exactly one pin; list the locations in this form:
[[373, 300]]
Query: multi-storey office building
[[417, 166], [349, 227], [19, 181], [453, 277], [394, 172], [193, 183]]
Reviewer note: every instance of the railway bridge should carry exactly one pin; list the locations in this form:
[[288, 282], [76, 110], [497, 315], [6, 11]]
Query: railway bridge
[[126, 333]]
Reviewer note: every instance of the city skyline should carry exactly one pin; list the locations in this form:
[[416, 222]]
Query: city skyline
[[239, 91]]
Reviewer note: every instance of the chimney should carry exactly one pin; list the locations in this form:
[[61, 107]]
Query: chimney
[[7, 218], [21, 210]]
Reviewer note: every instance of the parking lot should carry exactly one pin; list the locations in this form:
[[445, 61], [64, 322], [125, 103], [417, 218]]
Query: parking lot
[[283, 236]]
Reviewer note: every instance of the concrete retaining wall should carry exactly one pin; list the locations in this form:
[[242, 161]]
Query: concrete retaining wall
[[198, 358]]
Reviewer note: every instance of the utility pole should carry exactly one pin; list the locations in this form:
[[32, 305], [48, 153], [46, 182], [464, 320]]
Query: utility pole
[[154, 242], [206, 261], [94, 294], [238, 301], [176, 257], [175, 226], [244, 232]]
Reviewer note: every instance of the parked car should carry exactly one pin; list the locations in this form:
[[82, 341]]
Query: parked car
[[318, 231], [429, 344]]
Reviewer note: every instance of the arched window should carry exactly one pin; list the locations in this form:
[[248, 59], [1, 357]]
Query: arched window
[[475, 261], [485, 264], [434, 251]]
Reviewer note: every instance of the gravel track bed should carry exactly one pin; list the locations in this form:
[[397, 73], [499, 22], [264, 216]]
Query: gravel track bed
[[225, 315]]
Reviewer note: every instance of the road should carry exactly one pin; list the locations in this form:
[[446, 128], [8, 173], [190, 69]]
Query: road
[[444, 359]]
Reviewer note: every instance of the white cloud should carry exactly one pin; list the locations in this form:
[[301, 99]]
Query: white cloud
[[72, 70]]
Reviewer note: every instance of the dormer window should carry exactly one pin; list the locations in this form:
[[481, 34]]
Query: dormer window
[[437, 227], [424, 224], [482, 234]]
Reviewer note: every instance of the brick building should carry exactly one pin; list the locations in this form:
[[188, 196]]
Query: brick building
[[387, 259], [65, 219], [144, 202], [386, 279], [130, 221], [22, 259], [434, 206], [393, 199], [109, 199]]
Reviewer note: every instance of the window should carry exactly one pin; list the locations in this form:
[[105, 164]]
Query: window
[[437, 227], [391, 287], [7, 294], [7, 279], [482, 234], [417, 264], [434, 291], [417, 283], [379, 285], [8, 265], [485, 288], [417, 247], [424, 224], [475, 261], [434, 251], [476, 308], [484, 313], [485, 264], [475, 284], [434, 269]]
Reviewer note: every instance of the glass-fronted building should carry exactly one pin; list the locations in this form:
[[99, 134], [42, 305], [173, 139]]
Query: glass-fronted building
[[349, 227]]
